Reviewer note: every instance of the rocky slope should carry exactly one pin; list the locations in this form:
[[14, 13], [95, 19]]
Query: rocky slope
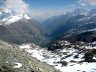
[[66, 56], [14, 59], [85, 36]]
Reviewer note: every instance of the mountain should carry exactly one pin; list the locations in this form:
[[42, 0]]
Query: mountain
[[75, 21], [71, 46], [19, 28], [14, 59], [87, 36]]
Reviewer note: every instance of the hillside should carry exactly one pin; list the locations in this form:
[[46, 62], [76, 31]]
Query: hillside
[[13, 59]]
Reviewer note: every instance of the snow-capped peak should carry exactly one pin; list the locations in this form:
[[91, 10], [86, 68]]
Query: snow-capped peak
[[8, 17], [26, 16], [13, 19]]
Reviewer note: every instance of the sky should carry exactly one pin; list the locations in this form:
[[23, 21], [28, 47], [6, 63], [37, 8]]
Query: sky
[[46, 5], [49, 4], [45, 8]]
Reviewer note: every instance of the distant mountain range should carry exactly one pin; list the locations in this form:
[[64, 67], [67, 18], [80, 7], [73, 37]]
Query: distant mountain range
[[72, 26], [73, 22]]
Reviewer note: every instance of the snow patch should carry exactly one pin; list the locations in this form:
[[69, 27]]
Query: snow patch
[[26, 16], [83, 67], [17, 65], [62, 55]]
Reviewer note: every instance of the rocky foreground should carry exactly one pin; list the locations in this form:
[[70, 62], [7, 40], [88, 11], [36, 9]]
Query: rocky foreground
[[13, 59], [65, 56]]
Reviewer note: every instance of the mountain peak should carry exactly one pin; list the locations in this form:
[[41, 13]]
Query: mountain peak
[[8, 17]]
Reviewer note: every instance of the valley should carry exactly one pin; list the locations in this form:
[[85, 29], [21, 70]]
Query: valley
[[57, 42]]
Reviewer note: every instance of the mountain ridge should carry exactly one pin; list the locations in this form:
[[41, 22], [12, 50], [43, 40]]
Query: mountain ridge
[[74, 21]]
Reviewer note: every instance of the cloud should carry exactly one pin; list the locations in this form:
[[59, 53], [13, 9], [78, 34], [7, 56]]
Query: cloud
[[47, 13], [19, 6], [41, 15], [82, 3], [88, 2], [51, 12]]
